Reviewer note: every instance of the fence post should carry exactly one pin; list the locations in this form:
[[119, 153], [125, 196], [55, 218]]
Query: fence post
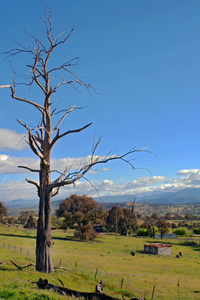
[[122, 282], [96, 273], [153, 292], [178, 284]]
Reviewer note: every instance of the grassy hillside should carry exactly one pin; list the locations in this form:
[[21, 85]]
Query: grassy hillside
[[109, 258], [162, 209]]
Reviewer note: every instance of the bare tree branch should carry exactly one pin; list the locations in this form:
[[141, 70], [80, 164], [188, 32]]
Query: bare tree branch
[[63, 117], [59, 136], [33, 182], [94, 188], [54, 193], [38, 106], [27, 168], [31, 143], [75, 176]]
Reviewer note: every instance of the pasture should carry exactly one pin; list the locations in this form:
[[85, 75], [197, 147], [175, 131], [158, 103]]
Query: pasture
[[106, 258]]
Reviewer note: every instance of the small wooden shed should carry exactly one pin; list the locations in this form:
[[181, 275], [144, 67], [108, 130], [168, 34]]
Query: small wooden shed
[[158, 248]]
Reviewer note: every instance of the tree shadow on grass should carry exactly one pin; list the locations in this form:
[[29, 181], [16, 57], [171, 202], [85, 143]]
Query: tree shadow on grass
[[140, 251], [67, 238], [34, 237], [73, 239], [18, 235], [9, 270], [194, 245]]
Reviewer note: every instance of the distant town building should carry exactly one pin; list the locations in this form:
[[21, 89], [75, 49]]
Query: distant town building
[[167, 236], [98, 228], [158, 248]]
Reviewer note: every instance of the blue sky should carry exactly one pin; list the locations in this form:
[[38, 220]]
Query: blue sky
[[143, 58]]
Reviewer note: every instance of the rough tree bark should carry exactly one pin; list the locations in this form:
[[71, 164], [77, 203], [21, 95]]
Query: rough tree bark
[[44, 136]]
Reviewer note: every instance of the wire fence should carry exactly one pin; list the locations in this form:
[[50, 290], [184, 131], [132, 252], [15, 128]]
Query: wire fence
[[28, 252]]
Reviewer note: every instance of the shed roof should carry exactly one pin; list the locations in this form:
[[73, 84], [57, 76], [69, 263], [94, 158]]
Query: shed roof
[[158, 245]]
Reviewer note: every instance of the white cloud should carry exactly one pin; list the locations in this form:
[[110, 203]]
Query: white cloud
[[10, 139], [187, 172], [16, 189], [186, 177], [145, 181], [3, 157], [105, 170], [21, 189], [9, 164]]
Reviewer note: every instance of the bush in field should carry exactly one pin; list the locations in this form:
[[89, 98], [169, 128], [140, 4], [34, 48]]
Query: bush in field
[[196, 230], [143, 232], [169, 230], [181, 231], [56, 222], [31, 223], [85, 233], [11, 220], [24, 216]]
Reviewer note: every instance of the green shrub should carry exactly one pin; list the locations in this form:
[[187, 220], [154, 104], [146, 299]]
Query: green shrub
[[196, 230], [143, 232], [85, 233], [181, 231]]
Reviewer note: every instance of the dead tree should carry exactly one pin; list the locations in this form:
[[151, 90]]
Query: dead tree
[[44, 284], [44, 136]]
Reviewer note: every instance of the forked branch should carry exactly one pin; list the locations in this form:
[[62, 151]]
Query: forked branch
[[71, 178]]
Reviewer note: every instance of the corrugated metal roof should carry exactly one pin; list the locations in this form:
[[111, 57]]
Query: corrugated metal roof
[[158, 245]]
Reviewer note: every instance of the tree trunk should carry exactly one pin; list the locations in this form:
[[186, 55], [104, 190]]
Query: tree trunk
[[43, 244]]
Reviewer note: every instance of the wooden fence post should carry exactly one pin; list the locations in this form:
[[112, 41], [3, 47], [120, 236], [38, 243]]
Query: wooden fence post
[[153, 292], [122, 282], [96, 273], [178, 284]]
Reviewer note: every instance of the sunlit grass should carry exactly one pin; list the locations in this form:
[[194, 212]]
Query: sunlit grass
[[106, 258]]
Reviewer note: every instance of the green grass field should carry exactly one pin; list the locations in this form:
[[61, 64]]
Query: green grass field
[[106, 258]]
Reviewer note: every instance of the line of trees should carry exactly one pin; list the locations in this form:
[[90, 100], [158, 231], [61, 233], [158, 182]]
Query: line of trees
[[82, 214]]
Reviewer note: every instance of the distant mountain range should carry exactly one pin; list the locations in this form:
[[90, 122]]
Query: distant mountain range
[[184, 196]]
